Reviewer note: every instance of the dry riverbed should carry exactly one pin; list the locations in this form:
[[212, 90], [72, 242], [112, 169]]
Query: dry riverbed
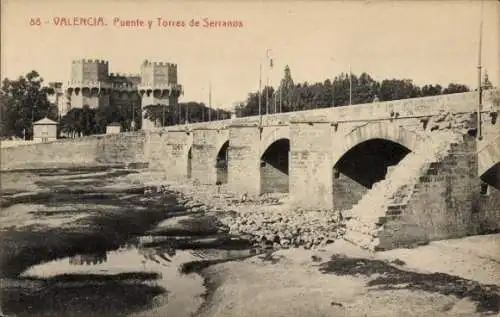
[[94, 242], [458, 277]]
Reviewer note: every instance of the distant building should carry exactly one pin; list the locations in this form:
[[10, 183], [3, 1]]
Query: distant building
[[113, 128], [91, 84], [57, 97], [44, 130]]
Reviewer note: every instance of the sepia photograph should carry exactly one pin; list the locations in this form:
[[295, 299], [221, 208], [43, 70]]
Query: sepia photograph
[[210, 158]]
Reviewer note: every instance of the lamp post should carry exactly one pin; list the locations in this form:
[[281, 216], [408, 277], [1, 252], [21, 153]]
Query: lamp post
[[270, 60], [479, 69], [260, 95]]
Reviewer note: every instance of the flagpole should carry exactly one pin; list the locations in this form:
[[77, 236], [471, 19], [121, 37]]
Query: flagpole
[[210, 101], [267, 95], [281, 99], [260, 95], [350, 85], [479, 69]]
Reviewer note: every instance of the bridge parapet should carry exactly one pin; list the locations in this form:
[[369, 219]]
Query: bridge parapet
[[387, 110]]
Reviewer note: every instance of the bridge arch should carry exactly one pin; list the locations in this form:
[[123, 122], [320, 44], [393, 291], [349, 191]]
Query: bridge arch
[[271, 135], [221, 162], [189, 154], [364, 158], [377, 130], [274, 167]]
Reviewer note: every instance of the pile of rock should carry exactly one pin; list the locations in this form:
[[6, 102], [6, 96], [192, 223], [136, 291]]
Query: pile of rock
[[269, 229]]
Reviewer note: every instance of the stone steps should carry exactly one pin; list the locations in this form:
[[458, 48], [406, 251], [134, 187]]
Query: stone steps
[[389, 197]]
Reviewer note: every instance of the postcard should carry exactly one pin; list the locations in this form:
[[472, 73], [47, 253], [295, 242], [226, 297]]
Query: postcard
[[249, 158]]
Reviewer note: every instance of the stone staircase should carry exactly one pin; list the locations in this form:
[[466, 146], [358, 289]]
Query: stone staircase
[[389, 197]]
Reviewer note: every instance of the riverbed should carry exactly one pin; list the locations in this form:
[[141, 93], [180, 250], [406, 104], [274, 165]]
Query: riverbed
[[71, 247]]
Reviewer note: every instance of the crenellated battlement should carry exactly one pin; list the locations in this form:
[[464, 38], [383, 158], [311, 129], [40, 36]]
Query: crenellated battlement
[[90, 61], [152, 86], [148, 63], [123, 75]]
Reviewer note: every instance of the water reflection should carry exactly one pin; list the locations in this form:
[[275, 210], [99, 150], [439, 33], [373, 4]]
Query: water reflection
[[88, 259], [141, 271], [158, 255]]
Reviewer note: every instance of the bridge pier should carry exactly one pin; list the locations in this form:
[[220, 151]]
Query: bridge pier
[[244, 159], [311, 170], [178, 155], [155, 150], [206, 146]]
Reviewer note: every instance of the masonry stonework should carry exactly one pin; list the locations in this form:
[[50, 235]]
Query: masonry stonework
[[244, 159], [437, 188], [120, 148], [445, 203], [311, 167], [178, 154], [206, 145]]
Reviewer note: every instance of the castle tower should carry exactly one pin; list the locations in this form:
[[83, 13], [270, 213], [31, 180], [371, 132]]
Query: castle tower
[[58, 97], [158, 87], [89, 84], [123, 93]]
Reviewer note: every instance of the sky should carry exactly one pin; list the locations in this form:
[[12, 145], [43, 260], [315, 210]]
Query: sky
[[427, 41]]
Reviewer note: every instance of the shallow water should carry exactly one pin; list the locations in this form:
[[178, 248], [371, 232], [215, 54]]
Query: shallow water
[[181, 294], [63, 254]]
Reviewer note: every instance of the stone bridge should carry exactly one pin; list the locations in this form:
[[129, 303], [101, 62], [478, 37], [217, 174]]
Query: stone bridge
[[402, 172], [444, 182]]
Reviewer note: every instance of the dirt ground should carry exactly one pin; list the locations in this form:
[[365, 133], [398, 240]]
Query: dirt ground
[[458, 277], [343, 280]]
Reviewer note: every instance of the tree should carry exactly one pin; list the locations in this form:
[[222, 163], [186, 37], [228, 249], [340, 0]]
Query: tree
[[285, 91], [71, 123], [88, 122], [395, 89], [161, 115], [365, 89], [455, 88], [430, 90], [23, 101]]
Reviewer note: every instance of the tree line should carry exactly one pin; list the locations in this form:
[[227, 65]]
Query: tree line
[[341, 91], [184, 112]]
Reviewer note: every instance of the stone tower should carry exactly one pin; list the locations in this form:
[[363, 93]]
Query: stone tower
[[158, 87], [57, 97], [88, 85]]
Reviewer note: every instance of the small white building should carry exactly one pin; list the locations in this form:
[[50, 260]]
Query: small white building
[[113, 128], [44, 130]]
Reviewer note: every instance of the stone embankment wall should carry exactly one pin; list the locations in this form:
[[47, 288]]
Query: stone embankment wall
[[97, 149]]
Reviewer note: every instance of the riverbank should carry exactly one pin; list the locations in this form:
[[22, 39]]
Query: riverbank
[[457, 277]]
